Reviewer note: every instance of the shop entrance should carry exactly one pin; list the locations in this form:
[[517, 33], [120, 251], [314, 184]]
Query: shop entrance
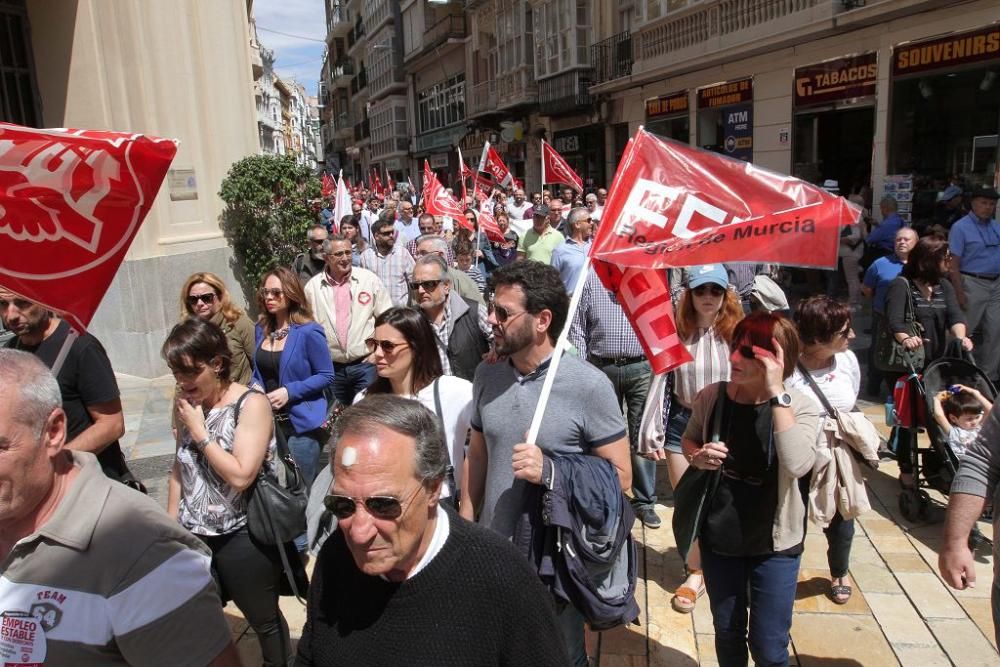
[[835, 144]]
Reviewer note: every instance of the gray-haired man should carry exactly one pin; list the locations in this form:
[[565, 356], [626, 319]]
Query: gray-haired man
[[429, 244]]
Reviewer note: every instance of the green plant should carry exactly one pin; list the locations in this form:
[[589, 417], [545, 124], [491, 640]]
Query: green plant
[[270, 204]]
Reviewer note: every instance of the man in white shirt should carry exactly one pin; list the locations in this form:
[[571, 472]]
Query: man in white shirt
[[519, 208]]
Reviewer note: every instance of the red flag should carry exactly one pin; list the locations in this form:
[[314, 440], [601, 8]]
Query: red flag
[[377, 183], [556, 170], [492, 164], [392, 183], [328, 187], [71, 201], [644, 295], [674, 205], [438, 202], [489, 225]]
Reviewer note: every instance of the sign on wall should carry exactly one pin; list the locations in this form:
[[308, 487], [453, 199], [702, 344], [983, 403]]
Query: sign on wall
[[834, 80], [724, 94], [667, 105], [949, 51]]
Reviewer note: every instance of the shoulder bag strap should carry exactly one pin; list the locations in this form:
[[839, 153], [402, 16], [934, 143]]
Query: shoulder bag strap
[[440, 415], [71, 337], [816, 390], [721, 401]]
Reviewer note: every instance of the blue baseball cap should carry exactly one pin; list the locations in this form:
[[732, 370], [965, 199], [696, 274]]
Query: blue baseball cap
[[708, 273]]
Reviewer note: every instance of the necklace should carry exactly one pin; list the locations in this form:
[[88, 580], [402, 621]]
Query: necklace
[[279, 334]]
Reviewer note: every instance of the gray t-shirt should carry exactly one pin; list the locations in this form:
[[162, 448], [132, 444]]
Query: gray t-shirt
[[583, 413]]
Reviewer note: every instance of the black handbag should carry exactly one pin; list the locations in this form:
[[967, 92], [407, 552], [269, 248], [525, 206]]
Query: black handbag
[[696, 489], [333, 409], [890, 355]]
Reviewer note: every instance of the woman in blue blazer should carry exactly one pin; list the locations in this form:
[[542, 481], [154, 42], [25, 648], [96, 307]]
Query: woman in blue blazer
[[292, 366]]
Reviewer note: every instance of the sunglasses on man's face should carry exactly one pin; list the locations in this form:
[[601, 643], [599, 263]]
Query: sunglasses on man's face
[[501, 313], [426, 285], [380, 507], [206, 298]]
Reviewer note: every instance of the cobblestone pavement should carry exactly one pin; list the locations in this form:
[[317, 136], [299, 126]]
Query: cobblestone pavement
[[901, 612]]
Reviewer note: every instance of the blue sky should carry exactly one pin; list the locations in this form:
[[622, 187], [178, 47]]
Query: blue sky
[[294, 58]]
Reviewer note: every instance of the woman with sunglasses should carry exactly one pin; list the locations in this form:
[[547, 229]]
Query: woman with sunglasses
[[825, 331], [350, 227], [921, 285], [706, 316], [219, 455], [752, 537], [292, 366], [404, 351], [205, 296]]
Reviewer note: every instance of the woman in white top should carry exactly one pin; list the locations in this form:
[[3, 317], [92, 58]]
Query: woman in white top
[[404, 350], [706, 316], [825, 329]]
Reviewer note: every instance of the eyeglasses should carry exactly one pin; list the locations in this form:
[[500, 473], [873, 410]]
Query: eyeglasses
[[275, 292], [387, 345], [380, 507], [205, 298], [386, 232], [746, 352], [714, 290], [426, 285], [339, 253], [317, 241], [502, 314]]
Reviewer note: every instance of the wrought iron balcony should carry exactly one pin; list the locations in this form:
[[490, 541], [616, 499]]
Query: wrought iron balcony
[[341, 73], [338, 22], [612, 57], [450, 27], [565, 93]]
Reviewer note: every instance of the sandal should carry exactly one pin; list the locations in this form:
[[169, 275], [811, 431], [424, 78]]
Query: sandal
[[840, 593], [685, 598]]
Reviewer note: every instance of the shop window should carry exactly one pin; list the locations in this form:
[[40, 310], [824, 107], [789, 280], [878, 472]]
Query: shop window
[[18, 91], [944, 127]]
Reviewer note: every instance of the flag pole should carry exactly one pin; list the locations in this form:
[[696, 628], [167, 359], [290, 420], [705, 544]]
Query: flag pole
[[561, 344], [543, 164]]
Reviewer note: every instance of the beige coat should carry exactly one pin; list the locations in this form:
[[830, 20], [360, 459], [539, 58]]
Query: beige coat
[[838, 483]]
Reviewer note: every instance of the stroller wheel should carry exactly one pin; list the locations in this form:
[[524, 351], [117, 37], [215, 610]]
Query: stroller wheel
[[909, 504]]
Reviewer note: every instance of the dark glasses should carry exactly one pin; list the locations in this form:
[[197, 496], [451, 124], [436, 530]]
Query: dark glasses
[[387, 345], [208, 297], [380, 507], [746, 352], [501, 313], [714, 290], [276, 292], [427, 285]]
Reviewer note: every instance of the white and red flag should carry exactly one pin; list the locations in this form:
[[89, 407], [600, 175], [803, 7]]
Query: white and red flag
[[71, 201], [671, 205], [342, 202], [437, 201], [493, 164], [465, 173], [556, 170]]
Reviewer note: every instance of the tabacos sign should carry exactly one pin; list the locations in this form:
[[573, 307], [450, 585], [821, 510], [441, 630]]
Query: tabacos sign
[[839, 79], [949, 51]]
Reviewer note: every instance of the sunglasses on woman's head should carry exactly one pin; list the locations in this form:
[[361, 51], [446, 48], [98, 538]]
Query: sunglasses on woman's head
[[711, 288], [206, 298], [380, 507], [387, 345]]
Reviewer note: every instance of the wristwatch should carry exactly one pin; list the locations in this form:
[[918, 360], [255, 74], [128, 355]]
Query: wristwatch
[[781, 400]]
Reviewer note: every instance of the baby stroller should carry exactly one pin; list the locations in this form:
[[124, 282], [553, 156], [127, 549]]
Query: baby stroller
[[935, 467]]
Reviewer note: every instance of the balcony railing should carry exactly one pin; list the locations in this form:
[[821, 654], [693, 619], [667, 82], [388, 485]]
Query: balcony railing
[[343, 123], [356, 34], [612, 57], [517, 87], [566, 92], [359, 82], [362, 130], [707, 27], [338, 22], [341, 73], [482, 98], [451, 26]]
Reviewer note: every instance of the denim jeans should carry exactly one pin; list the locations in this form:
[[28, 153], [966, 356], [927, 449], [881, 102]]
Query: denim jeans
[[762, 587], [349, 379], [839, 537], [631, 383], [677, 421], [570, 623]]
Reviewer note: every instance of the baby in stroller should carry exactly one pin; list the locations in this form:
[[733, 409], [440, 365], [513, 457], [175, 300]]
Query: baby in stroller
[[959, 411]]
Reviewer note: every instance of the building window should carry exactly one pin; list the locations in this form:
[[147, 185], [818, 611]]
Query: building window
[[511, 29], [18, 90], [389, 128], [441, 105], [562, 28]]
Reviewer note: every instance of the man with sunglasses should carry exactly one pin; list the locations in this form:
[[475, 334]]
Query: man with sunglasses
[[91, 401], [307, 264], [460, 325], [568, 257], [389, 260], [345, 300], [429, 244], [974, 242], [529, 309], [403, 580]]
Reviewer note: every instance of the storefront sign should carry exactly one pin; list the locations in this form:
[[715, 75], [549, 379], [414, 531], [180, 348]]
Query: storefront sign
[[833, 80], [667, 105], [394, 164], [439, 161], [955, 49], [738, 123], [567, 144], [724, 94]]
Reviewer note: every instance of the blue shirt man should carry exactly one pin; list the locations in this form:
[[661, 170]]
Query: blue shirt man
[[885, 269], [884, 235], [977, 242]]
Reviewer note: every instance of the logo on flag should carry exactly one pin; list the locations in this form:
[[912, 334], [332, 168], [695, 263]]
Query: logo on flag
[[437, 200], [71, 201], [556, 170], [493, 164]]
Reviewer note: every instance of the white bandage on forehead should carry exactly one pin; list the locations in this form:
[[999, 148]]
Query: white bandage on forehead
[[348, 457]]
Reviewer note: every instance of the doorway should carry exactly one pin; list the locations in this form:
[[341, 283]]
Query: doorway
[[835, 144]]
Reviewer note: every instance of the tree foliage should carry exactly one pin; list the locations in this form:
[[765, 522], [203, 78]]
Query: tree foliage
[[270, 204]]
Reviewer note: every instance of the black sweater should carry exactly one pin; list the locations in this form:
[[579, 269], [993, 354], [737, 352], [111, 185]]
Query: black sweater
[[476, 603]]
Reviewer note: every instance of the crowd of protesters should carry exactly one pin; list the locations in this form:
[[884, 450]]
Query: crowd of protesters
[[434, 341]]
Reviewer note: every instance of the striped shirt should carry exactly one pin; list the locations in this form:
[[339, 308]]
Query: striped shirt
[[109, 579], [709, 364], [393, 270], [600, 327]]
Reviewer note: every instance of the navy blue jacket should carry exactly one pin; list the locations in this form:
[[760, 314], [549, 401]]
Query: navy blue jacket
[[306, 370]]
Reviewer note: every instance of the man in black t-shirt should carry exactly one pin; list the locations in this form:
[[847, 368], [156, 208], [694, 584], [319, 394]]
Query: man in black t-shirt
[[89, 390]]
